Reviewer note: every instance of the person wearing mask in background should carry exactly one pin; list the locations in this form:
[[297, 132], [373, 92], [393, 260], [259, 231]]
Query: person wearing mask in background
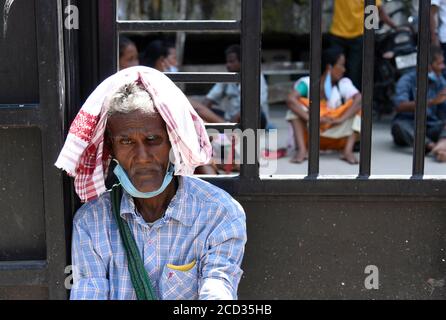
[[339, 109], [403, 124], [171, 59], [155, 56], [128, 53]]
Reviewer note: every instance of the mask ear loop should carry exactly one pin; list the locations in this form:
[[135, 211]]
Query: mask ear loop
[[118, 183]]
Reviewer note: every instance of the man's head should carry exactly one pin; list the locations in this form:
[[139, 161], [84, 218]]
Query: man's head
[[171, 59], [333, 61], [137, 135], [155, 55], [233, 58], [436, 60]]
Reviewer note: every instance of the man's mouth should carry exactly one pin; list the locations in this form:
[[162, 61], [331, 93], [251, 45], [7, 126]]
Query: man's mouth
[[146, 172]]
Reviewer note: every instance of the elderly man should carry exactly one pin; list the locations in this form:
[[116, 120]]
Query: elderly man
[[158, 234]]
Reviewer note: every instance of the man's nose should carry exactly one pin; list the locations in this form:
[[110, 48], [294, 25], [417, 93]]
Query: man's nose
[[143, 152]]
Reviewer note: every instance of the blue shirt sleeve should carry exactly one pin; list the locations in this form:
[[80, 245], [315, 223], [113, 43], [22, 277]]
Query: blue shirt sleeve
[[89, 271], [404, 89], [217, 93], [221, 270]]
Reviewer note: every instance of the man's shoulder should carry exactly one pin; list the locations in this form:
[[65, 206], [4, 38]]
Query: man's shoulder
[[94, 210], [409, 76], [204, 191]]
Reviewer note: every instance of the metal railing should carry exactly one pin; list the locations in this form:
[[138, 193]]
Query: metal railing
[[249, 78]]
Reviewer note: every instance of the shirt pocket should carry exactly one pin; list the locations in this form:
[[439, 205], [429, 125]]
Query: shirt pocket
[[179, 282]]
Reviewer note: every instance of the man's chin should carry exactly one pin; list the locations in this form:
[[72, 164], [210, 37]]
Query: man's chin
[[148, 187]]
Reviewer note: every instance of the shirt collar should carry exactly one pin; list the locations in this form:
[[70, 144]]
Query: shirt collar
[[176, 209]]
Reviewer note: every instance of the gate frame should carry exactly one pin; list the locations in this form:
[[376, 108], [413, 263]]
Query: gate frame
[[47, 115]]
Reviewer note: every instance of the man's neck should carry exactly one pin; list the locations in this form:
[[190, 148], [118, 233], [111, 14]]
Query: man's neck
[[154, 208]]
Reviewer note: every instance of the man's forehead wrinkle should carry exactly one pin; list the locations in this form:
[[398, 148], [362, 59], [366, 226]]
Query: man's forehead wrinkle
[[141, 130]]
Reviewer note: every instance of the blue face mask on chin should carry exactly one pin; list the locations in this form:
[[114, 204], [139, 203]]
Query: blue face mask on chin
[[130, 188], [432, 76]]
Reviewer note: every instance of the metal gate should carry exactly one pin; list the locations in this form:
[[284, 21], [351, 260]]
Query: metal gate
[[310, 238], [314, 238], [33, 237]]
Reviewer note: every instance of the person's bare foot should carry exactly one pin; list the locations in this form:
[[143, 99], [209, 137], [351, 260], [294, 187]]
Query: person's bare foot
[[441, 156], [439, 150], [299, 157], [349, 157]]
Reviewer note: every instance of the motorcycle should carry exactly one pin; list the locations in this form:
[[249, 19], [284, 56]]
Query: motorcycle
[[396, 54]]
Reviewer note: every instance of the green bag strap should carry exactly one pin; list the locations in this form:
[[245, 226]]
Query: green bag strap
[[138, 274]]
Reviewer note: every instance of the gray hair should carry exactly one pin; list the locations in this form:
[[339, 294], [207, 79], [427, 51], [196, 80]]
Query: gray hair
[[131, 97]]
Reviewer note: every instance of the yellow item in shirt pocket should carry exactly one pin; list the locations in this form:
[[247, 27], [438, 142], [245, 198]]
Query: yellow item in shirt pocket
[[183, 268]]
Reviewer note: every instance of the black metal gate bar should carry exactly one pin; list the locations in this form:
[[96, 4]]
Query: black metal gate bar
[[422, 86], [108, 39], [397, 189], [315, 80], [368, 58], [47, 116], [187, 26], [24, 273], [250, 80], [52, 100], [203, 77]]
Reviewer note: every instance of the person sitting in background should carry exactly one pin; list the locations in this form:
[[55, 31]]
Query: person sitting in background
[[222, 103], [128, 53], [403, 124], [171, 59], [340, 108], [155, 56], [438, 24]]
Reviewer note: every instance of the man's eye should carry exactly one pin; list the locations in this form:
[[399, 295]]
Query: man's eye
[[152, 137], [125, 141]]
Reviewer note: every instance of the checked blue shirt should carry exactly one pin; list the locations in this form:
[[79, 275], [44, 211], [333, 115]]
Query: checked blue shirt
[[203, 224]]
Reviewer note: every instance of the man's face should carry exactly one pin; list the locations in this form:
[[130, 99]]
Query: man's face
[[338, 70], [438, 64], [141, 145], [232, 63]]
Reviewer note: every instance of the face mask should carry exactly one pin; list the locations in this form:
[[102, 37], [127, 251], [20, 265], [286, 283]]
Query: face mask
[[130, 188], [173, 69], [327, 86], [432, 76]]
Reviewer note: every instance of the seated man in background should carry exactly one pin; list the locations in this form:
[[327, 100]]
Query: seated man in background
[[222, 103], [155, 56], [340, 108], [403, 124]]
